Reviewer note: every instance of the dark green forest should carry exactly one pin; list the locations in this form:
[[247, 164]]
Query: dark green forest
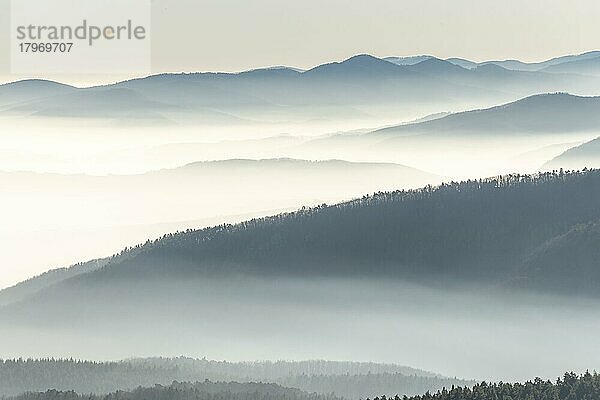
[[570, 387], [348, 379], [188, 391], [364, 385]]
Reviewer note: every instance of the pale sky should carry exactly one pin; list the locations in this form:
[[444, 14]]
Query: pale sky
[[234, 35]]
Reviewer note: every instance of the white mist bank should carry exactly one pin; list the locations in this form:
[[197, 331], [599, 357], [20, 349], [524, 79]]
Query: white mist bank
[[463, 332]]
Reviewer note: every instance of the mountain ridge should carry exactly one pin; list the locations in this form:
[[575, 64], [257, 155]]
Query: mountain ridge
[[586, 155], [150, 256], [350, 85], [547, 113]]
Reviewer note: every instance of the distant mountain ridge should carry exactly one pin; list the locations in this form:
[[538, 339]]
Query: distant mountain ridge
[[546, 113], [551, 65], [362, 64], [587, 66], [347, 86], [22, 91], [586, 155]]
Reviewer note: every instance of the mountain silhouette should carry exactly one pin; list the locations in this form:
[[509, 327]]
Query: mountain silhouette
[[586, 155], [547, 113]]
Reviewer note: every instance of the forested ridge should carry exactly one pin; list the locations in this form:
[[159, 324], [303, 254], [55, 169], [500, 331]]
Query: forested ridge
[[348, 379], [364, 385], [188, 391], [29, 287], [570, 387], [515, 231], [482, 230]]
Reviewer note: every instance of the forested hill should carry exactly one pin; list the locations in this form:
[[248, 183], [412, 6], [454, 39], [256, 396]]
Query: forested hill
[[27, 288], [478, 230], [570, 387], [474, 230], [577, 252], [352, 380], [189, 391]]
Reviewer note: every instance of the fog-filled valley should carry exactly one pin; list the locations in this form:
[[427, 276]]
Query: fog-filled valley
[[407, 214], [270, 319]]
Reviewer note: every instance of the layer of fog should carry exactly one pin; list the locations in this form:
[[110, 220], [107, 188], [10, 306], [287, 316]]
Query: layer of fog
[[457, 157], [86, 145], [72, 148], [472, 333]]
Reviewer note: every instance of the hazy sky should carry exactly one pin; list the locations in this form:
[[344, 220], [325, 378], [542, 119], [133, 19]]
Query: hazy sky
[[232, 35]]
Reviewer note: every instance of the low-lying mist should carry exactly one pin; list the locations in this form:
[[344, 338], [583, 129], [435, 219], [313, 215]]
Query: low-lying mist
[[465, 332], [68, 148]]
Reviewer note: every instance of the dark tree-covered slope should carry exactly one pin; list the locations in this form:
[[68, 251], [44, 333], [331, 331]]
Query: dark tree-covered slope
[[574, 254], [189, 391], [26, 288], [365, 385], [474, 230], [570, 387], [30, 287]]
